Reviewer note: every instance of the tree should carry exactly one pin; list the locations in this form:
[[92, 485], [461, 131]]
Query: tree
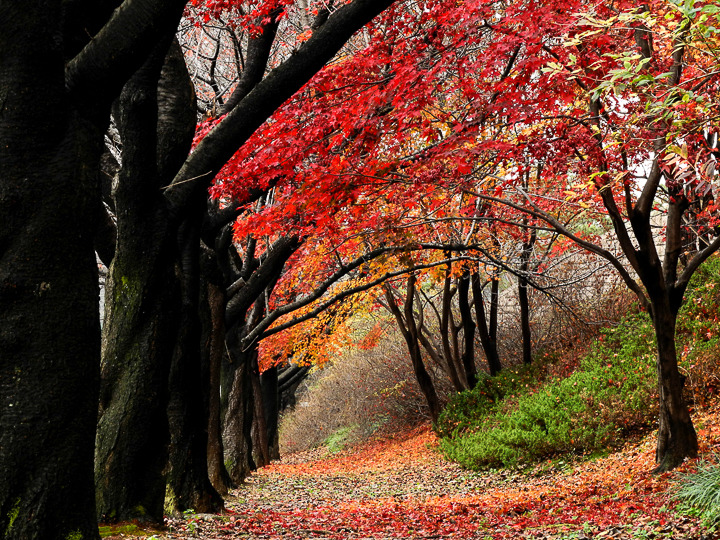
[[487, 91], [144, 256], [53, 120], [635, 152], [63, 65]]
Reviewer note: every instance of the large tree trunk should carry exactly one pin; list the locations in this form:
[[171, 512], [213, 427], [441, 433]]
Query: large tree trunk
[[677, 439], [49, 323], [188, 409], [140, 325], [156, 123]]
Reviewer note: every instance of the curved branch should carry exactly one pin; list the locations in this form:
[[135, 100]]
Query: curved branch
[[103, 66], [265, 98], [589, 246], [261, 331]]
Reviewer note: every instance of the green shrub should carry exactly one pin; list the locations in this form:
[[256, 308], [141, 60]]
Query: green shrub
[[699, 493], [467, 409], [610, 395], [340, 438]]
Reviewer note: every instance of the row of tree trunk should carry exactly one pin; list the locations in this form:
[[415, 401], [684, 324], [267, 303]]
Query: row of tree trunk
[[451, 343]]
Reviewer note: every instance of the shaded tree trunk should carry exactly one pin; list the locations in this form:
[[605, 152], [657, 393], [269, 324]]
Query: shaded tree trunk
[[237, 438], [468, 327], [219, 477], [271, 406], [447, 324], [523, 299], [141, 318], [187, 410], [677, 438], [261, 445], [49, 329]]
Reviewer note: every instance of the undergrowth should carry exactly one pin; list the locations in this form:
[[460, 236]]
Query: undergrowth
[[516, 420], [520, 416], [699, 493]]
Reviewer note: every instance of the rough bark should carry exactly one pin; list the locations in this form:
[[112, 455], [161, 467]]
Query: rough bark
[[217, 472], [140, 320], [238, 418], [49, 330], [261, 446], [187, 409]]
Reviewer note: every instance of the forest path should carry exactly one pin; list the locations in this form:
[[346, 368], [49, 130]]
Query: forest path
[[402, 488]]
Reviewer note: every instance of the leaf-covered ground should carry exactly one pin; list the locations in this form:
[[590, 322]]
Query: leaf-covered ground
[[401, 488]]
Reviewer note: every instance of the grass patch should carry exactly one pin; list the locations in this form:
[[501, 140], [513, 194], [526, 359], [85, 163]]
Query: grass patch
[[339, 439], [516, 419], [127, 528], [699, 494]]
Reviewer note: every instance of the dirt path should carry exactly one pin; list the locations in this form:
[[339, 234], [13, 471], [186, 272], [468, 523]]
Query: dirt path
[[402, 488]]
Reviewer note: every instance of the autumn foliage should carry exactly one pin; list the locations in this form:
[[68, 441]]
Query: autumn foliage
[[401, 488]]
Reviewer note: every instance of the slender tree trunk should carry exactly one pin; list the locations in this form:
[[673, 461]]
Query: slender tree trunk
[[49, 324], [468, 327], [457, 374], [217, 472], [489, 345], [525, 321], [523, 300], [677, 439], [271, 406], [406, 322]]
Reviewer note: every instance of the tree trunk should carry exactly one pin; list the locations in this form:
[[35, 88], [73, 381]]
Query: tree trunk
[[217, 472], [140, 327], [408, 328], [156, 123], [238, 417], [677, 439], [49, 324], [271, 406], [187, 409], [488, 343], [523, 298], [468, 327], [455, 371], [261, 447], [525, 320], [140, 324]]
